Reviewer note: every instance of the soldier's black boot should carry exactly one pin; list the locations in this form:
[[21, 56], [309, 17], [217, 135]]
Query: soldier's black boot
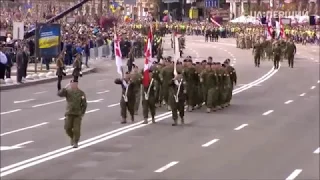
[[145, 121], [175, 123], [124, 121], [75, 145], [132, 118], [182, 120], [153, 120]]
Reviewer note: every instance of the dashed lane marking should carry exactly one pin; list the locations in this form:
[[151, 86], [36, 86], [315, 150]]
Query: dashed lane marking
[[40, 92], [312, 87], [48, 103], [240, 127], [113, 105], [317, 151], [8, 112], [288, 102], [23, 101], [303, 94], [166, 166], [22, 129], [267, 112], [294, 174], [102, 92], [210, 143]]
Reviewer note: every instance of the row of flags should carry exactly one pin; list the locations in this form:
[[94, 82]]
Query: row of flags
[[278, 30]]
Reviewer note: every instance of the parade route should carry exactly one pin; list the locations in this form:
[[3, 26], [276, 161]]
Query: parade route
[[271, 130]]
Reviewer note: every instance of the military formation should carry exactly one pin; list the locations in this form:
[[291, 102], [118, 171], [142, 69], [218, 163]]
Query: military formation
[[174, 87], [275, 50]]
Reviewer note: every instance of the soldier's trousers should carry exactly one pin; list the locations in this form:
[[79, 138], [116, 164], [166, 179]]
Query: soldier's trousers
[[229, 94], [204, 93], [220, 96], [72, 126], [127, 106], [157, 94], [225, 94], [257, 59], [199, 97], [191, 96], [276, 62], [148, 105], [212, 98], [290, 60], [164, 93], [177, 107], [137, 102]]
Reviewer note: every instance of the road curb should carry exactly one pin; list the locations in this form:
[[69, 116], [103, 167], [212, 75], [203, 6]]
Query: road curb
[[42, 81]]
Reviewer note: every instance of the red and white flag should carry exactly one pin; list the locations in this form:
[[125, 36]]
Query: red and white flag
[[214, 22], [117, 53], [148, 61], [282, 34], [269, 28]]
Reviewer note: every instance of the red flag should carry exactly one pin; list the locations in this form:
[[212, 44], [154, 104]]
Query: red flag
[[118, 54], [148, 61]]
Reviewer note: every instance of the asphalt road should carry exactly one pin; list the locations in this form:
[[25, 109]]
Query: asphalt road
[[271, 130]]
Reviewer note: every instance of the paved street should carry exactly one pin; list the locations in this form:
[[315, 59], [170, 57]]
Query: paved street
[[271, 130]]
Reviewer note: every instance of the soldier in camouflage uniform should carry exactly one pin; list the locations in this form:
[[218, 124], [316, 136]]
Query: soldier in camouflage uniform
[[209, 78], [76, 108], [166, 75], [189, 76], [128, 96], [233, 77], [257, 51], [177, 96], [276, 55], [291, 51], [137, 77], [149, 99]]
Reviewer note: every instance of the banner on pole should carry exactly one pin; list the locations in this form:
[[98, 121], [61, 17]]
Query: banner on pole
[[18, 30], [48, 37]]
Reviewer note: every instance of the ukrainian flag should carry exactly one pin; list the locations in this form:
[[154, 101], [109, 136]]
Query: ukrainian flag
[[48, 42]]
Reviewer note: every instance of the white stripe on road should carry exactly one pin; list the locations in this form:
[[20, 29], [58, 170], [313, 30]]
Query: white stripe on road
[[95, 101], [24, 143], [240, 127], [22, 129], [303, 94], [102, 92], [288, 102], [294, 174], [267, 113], [8, 112], [166, 167], [312, 87], [40, 92], [48, 103], [112, 105], [210, 143], [23, 101], [97, 139], [87, 112], [317, 151], [318, 81]]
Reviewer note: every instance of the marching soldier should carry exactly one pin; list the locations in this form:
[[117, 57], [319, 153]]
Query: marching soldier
[[77, 68], [257, 51], [166, 76], [137, 78], [225, 86], [128, 97], [60, 70], [177, 98], [210, 80], [276, 55], [189, 76], [233, 77], [76, 108], [291, 51], [149, 99]]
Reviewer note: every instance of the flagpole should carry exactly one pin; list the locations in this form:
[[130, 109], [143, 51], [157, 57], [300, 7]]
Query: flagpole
[[115, 41]]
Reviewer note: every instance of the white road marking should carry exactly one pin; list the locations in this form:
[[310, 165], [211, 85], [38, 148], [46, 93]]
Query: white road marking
[[8, 112], [91, 111], [166, 167], [210, 143], [312, 87], [48, 103], [318, 81], [95, 101], [317, 151], [102, 80], [303, 94], [102, 92], [24, 143], [112, 105], [267, 112], [288, 102], [23, 101], [240, 127], [294, 174], [22, 129], [40, 92], [103, 137]]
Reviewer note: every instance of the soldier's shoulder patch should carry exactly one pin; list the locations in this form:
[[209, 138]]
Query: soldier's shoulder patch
[[83, 97]]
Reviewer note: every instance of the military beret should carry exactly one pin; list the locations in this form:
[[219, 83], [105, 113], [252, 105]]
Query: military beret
[[189, 57], [190, 60], [218, 63], [227, 60], [209, 57], [209, 63], [193, 64], [185, 60], [204, 61], [74, 81], [179, 62], [197, 62]]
